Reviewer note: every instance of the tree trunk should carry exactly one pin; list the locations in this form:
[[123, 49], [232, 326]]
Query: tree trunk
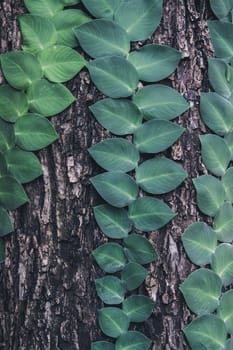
[[48, 298]]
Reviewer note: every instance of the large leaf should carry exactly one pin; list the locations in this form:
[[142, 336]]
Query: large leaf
[[113, 321], [102, 345], [46, 8], [110, 257], [48, 99], [110, 290], [38, 32], [101, 8], [225, 311], [114, 76], [60, 63], [132, 340], [215, 154], [200, 242], [229, 141], [223, 223], [160, 102], [156, 136], [227, 181], [220, 76], [159, 175], [5, 222], [139, 249], [13, 103], [7, 136], [139, 18], [114, 222], [133, 275], [154, 62], [118, 189], [12, 194], [138, 307], [121, 117], [210, 194], [222, 39], [102, 37], [221, 8], [116, 154], [222, 263], [206, 332], [148, 213], [20, 68], [202, 290], [216, 112]]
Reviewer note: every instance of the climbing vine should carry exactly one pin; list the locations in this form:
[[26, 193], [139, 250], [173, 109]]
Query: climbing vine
[[207, 290]]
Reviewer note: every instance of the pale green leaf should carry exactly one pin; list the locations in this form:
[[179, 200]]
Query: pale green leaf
[[13, 103], [222, 263], [110, 257], [222, 39], [223, 223], [110, 290], [12, 194], [133, 275], [133, 340], [46, 8], [229, 141], [225, 311], [138, 307], [139, 249], [227, 181], [113, 321]]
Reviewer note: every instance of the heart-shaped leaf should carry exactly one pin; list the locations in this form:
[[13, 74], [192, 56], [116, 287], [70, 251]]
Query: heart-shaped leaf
[[102, 345], [222, 263], [134, 340], [113, 321], [223, 223], [13, 103], [101, 8], [46, 8], [225, 311], [221, 8], [133, 275], [220, 76], [7, 136], [222, 39], [6, 225], [12, 194], [138, 307], [110, 289], [139, 249], [110, 257], [227, 181]]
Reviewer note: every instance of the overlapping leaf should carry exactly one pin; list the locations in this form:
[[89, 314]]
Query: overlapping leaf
[[221, 36], [222, 263], [113, 321], [221, 8], [110, 289], [101, 8], [12, 194], [138, 307], [227, 181], [225, 311], [133, 275], [6, 225], [139, 249], [220, 76], [223, 223], [229, 141], [102, 345], [47, 8], [134, 340], [13, 103], [110, 257], [7, 136]]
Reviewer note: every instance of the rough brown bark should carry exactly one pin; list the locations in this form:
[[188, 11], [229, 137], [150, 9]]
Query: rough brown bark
[[47, 295]]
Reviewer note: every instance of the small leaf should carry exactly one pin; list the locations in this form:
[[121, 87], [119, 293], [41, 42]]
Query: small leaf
[[154, 62], [114, 76], [113, 321], [114, 222], [2, 251], [5, 223], [48, 99], [139, 18], [138, 308], [156, 136], [217, 72], [110, 257], [160, 102], [210, 194], [200, 242], [202, 290], [133, 340], [46, 8], [13, 103], [159, 175], [225, 311], [222, 263], [215, 154], [110, 290], [133, 275], [12, 194], [139, 249], [121, 117], [222, 39], [221, 8], [102, 345], [149, 213], [102, 37], [229, 141], [118, 189], [227, 181], [101, 8], [7, 136], [116, 154], [206, 332], [223, 223]]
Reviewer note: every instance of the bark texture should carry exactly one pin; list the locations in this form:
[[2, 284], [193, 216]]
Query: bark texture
[[47, 294]]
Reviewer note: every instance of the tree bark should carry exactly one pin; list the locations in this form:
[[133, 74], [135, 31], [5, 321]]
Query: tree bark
[[47, 295]]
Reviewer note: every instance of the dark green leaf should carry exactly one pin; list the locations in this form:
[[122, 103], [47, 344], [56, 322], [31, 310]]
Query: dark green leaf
[[222, 263], [13, 103], [225, 311], [102, 345], [3, 165], [113, 321], [101, 8], [227, 181], [12, 194], [110, 289], [222, 39], [110, 257], [46, 8], [133, 275], [7, 136], [5, 223], [2, 251], [139, 249], [133, 340], [223, 223], [138, 307], [218, 72]]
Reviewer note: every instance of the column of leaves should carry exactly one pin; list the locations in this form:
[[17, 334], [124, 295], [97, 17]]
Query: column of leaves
[[143, 117], [34, 92], [207, 290]]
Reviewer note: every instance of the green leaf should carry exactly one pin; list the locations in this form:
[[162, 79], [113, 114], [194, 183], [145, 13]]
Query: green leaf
[[229, 344], [160, 102], [159, 175], [139, 249], [149, 213], [216, 112], [118, 189], [210, 194], [222, 39], [133, 275], [48, 99], [114, 222], [113, 321], [133, 340], [110, 289], [217, 72], [70, 2], [5, 223], [223, 223], [102, 345], [60, 63], [222, 263], [3, 165], [227, 181], [215, 154], [46, 8], [24, 166], [13, 103], [225, 311], [7, 136], [34, 132], [110, 257], [156, 136], [38, 32], [202, 290], [114, 76], [116, 154], [120, 117], [101, 8], [2, 251], [139, 18], [64, 22], [138, 307], [221, 8], [103, 37], [200, 242], [20, 68], [229, 141], [206, 332], [12, 194], [154, 62]]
